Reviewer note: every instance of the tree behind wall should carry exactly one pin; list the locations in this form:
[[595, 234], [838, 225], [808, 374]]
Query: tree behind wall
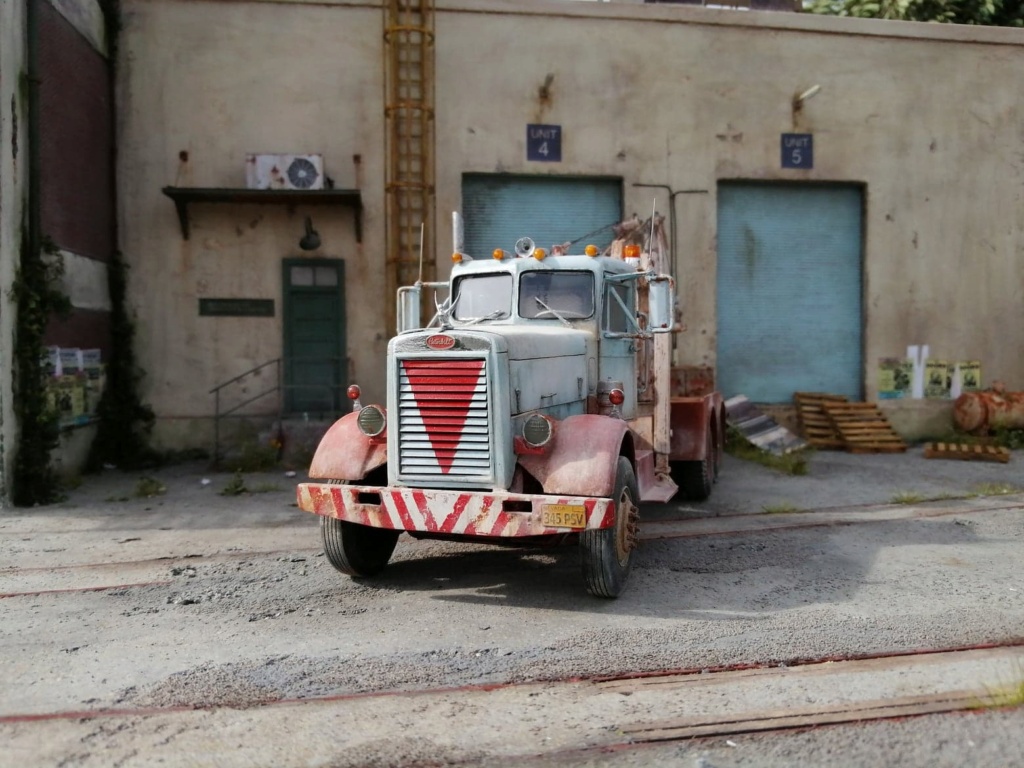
[[1001, 13], [124, 420]]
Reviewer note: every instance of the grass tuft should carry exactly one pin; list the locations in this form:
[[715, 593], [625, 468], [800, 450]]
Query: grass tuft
[[148, 487], [235, 486], [997, 489], [907, 497], [789, 464], [785, 508]]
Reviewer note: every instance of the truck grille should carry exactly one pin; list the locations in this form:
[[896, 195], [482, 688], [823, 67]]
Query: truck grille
[[443, 419]]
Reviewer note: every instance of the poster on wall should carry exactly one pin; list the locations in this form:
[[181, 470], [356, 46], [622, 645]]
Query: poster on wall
[[970, 375], [938, 378], [894, 377]]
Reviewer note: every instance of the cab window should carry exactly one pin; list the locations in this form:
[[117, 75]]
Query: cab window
[[479, 296], [544, 294], [616, 319]]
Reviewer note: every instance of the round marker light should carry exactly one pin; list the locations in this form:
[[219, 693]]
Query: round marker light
[[631, 252], [371, 421], [539, 254], [498, 254], [537, 431], [616, 397], [591, 250], [353, 392], [456, 257]]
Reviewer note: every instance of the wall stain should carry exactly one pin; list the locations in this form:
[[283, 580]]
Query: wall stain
[[14, 128]]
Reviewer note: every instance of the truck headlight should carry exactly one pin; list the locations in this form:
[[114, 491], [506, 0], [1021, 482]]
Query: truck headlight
[[371, 420], [537, 431]]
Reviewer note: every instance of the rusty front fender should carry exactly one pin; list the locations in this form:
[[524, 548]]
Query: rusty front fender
[[583, 460], [345, 453]]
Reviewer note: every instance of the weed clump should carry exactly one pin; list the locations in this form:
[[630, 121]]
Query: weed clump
[[794, 463]]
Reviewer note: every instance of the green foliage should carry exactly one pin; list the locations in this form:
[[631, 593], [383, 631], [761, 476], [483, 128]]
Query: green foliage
[[38, 300], [790, 464], [147, 487], [235, 487], [124, 420], [1003, 13], [1010, 438]]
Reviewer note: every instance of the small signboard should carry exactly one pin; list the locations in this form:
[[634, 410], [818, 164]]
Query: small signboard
[[544, 143], [798, 150], [236, 307]]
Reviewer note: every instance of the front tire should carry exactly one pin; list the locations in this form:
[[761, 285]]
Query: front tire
[[606, 554], [357, 550]]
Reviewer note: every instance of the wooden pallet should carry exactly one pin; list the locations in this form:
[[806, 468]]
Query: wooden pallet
[[863, 428], [966, 452], [815, 425]]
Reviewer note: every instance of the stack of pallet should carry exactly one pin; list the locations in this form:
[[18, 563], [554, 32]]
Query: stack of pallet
[[814, 423], [829, 421]]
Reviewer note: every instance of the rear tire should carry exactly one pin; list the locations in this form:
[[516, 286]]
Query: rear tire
[[696, 478], [357, 550], [606, 554]]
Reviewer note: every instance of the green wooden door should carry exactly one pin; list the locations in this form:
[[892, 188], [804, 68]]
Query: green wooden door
[[315, 364]]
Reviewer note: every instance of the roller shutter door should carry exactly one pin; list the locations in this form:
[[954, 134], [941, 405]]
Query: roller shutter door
[[789, 290], [499, 209]]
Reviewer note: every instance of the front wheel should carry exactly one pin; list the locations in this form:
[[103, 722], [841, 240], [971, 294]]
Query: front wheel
[[606, 554], [357, 550]]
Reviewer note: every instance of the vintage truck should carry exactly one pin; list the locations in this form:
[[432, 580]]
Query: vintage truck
[[534, 408]]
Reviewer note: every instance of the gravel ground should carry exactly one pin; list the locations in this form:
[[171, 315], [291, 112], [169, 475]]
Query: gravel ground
[[242, 608]]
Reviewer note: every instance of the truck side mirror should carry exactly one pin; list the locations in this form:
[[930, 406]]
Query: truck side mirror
[[409, 308], [662, 295]]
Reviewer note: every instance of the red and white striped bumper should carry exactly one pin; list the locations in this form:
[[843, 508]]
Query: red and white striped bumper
[[434, 511]]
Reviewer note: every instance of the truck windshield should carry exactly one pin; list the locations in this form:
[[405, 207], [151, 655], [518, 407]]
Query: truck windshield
[[483, 296], [568, 295]]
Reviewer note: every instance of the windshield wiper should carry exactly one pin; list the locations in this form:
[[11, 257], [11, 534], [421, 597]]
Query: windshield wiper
[[565, 322], [490, 316]]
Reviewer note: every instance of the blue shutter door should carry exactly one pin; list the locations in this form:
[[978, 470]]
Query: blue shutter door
[[499, 209], [789, 290]]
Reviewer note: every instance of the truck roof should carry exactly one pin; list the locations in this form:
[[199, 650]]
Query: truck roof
[[516, 265]]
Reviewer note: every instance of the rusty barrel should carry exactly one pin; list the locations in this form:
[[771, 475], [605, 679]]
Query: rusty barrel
[[980, 411]]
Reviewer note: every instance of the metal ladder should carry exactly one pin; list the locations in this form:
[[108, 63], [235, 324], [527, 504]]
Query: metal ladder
[[409, 121]]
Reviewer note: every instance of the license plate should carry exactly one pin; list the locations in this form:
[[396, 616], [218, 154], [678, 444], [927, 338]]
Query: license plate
[[565, 516]]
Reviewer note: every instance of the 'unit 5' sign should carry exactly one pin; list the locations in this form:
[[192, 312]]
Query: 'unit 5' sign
[[798, 150], [544, 143]]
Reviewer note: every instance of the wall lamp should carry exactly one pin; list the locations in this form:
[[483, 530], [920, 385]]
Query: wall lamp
[[799, 99]]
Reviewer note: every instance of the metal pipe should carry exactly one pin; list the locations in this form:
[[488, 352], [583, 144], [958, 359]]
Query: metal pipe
[[35, 236]]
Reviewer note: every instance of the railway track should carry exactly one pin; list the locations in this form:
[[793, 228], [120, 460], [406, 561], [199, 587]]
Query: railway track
[[574, 716], [145, 572]]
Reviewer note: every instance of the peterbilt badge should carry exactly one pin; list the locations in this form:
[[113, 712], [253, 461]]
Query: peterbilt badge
[[440, 341]]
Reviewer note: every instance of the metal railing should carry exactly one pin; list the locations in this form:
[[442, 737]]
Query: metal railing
[[279, 389]]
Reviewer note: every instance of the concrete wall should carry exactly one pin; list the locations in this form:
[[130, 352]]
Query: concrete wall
[[13, 178], [925, 116], [202, 84]]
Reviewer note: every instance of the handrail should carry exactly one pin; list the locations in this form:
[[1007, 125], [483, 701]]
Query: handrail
[[243, 375], [279, 387]]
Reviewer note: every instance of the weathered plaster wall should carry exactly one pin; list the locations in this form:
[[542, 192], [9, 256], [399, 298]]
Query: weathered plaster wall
[[13, 177], [200, 85], [925, 116]]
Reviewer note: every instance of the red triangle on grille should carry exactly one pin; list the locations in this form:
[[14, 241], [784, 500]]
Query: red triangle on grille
[[447, 412]]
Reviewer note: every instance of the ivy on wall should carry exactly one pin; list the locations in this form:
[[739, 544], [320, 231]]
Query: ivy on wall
[[124, 420], [38, 299]]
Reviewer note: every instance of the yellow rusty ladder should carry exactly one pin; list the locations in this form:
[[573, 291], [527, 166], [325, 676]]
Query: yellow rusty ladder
[[409, 125]]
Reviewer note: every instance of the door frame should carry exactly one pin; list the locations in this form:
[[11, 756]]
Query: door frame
[[341, 367]]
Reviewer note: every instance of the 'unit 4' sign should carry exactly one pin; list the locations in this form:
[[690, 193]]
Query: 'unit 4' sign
[[544, 143]]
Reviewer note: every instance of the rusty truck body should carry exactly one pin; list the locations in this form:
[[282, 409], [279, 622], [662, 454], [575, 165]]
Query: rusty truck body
[[534, 408]]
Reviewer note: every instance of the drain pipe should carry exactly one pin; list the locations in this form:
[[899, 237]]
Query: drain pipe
[[35, 236]]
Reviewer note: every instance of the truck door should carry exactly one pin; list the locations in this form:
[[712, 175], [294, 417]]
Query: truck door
[[617, 359]]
